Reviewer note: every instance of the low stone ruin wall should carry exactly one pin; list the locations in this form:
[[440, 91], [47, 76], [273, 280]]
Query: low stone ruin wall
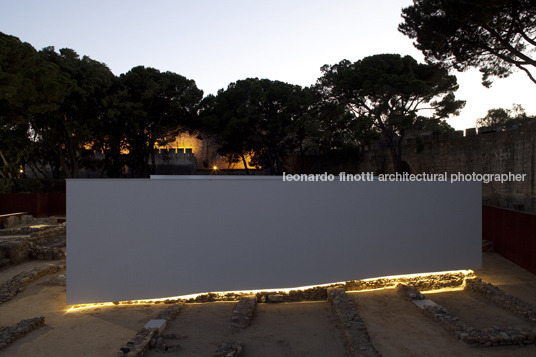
[[23, 243], [492, 336], [12, 333], [19, 282]]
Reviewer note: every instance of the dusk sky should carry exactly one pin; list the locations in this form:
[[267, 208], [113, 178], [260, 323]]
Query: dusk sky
[[218, 42]]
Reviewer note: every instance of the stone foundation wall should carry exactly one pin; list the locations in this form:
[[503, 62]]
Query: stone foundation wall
[[18, 283], [22, 243], [491, 152], [500, 152], [10, 334]]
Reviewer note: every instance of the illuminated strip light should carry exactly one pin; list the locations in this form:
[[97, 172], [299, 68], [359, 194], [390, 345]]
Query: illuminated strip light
[[444, 290], [396, 279], [466, 273], [420, 275]]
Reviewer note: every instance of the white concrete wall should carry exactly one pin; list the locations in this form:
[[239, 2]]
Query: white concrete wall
[[149, 238]]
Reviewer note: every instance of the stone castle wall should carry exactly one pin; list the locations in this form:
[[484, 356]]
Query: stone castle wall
[[511, 151]]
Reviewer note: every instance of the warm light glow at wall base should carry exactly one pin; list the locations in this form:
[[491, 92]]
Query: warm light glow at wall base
[[435, 281]]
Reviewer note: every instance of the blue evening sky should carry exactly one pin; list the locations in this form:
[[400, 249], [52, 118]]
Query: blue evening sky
[[218, 42]]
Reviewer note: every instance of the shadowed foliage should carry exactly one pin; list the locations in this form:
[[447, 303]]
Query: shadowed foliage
[[257, 117], [494, 36], [390, 91]]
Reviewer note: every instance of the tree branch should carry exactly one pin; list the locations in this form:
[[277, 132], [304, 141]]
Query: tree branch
[[526, 38], [496, 52], [531, 77], [515, 24], [508, 46]]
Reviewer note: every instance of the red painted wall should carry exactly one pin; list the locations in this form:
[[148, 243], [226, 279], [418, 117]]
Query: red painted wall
[[513, 235], [36, 204]]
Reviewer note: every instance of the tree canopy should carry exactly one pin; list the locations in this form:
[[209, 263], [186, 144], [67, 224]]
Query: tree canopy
[[30, 86], [502, 117], [331, 127], [69, 129], [256, 117], [15, 83], [494, 36], [60, 108], [154, 107], [391, 92], [70, 112]]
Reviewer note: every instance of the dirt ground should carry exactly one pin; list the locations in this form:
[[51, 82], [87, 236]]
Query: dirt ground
[[6, 274], [91, 332], [477, 310], [287, 329], [506, 275], [396, 326]]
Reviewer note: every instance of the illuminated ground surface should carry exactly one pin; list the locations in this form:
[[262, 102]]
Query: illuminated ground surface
[[288, 329], [395, 325]]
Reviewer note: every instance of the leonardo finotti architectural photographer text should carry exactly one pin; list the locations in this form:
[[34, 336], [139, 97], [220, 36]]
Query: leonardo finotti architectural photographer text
[[443, 177]]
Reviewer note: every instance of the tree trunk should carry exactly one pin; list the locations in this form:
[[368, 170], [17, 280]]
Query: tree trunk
[[75, 168], [394, 147], [101, 174], [38, 170], [5, 163], [278, 164], [397, 158], [245, 163], [64, 166], [140, 166], [270, 162], [302, 155], [153, 162], [33, 171], [116, 167]]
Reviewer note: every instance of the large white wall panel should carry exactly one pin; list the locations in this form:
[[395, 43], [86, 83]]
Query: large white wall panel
[[150, 238]]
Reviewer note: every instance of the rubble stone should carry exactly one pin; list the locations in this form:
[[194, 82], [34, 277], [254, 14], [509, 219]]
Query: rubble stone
[[244, 310], [410, 292], [169, 313], [228, 349], [50, 232], [26, 219], [503, 299], [16, 250], [39, 252], [32, 243], [355, 331], [12, 221], [19, 282], [150, 335], [493, 336], [275, 298], [12, 333]]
